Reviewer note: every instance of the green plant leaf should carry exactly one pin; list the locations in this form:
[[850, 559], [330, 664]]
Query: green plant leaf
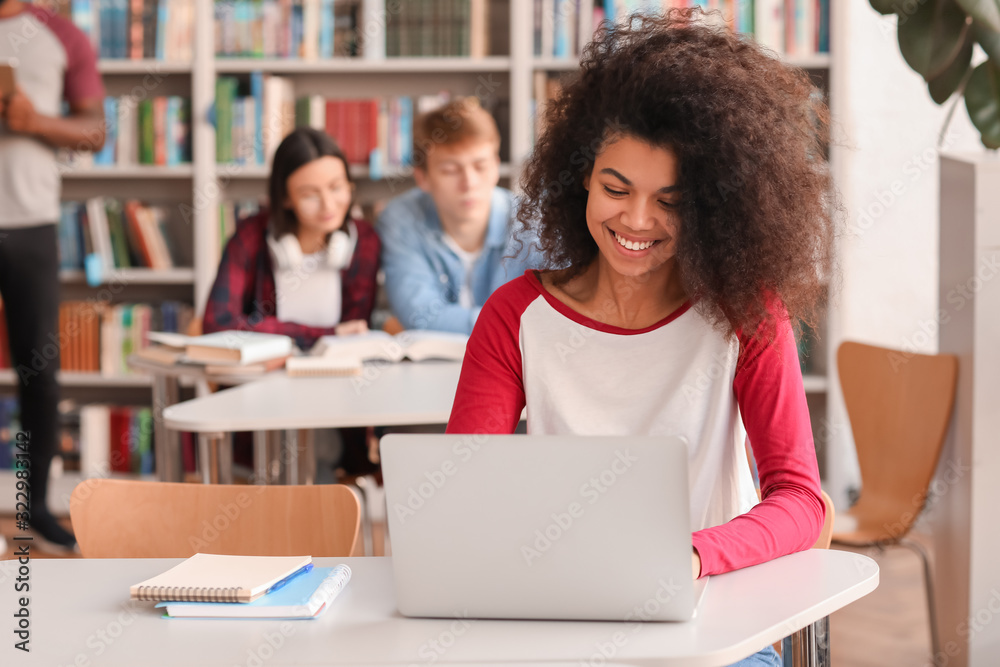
[[982, 100], [932, 36], [988, 39], [883, 6], [986, 12], [943, 85]]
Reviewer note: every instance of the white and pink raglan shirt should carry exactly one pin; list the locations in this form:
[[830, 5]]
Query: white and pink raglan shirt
[[679, 376]]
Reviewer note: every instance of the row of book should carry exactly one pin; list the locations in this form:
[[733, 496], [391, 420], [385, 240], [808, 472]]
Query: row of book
[[790, 27], [304, 29], [136, 29], [96, 337], [93, 439], [110, 438], [154, 131], [456, 28], [104, 234], [375, 132]]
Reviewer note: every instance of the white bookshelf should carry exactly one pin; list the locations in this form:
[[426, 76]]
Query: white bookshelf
[[427, 65], [207, 183], [178, 276], [131, 172]]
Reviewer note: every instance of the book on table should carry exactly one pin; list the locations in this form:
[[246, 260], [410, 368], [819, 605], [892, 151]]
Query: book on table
[[237, 347], [305, 596], [255, 352], [219, 578], [415, 344]]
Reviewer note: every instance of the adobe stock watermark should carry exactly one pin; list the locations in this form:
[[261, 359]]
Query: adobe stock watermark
[[433, 649], [966, 629], [957, 297], [912, 169], [435, 480], [592, 490], [667, 590]]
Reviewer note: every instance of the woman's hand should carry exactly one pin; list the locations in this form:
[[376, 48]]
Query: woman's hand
[[695, 563], [351, 327]]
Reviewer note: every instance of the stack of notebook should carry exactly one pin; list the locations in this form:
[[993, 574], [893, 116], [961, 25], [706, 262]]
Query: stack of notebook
[[222, 586]]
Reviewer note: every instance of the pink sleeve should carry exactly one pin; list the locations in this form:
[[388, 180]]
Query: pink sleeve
[[490, 393], [82, 80], [768, 387]]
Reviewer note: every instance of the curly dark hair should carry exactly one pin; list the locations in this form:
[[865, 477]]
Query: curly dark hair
[[757, 205]]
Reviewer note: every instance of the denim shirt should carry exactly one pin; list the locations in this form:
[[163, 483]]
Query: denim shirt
[[423, 276]]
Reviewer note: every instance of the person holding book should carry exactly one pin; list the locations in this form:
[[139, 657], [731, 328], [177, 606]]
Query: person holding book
[[302, 266], [695, 229], [447, 244], [52, 63]]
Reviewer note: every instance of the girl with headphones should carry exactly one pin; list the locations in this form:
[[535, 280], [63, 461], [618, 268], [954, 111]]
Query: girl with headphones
[[303, 267]]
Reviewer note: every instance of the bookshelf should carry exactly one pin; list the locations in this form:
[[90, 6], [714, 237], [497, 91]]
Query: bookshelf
[[503, 79]]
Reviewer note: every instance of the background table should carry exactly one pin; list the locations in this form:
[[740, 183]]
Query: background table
[[166, 392], [405, 393], [81, 615]]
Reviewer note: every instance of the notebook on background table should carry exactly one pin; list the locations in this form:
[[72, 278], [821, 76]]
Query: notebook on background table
[[540, 527]]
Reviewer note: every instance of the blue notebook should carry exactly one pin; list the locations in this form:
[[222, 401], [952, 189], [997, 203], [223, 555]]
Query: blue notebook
[[304, 596]]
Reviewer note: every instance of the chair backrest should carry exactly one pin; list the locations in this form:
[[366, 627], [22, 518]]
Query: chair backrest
[[826, 534], [899, 404], [138, 519]]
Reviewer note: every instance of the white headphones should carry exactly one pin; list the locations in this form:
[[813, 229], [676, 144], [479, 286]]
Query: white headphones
[[286, 253]]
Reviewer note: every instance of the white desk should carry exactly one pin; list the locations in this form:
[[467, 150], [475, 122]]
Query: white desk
[[80, 615], [384, 395]]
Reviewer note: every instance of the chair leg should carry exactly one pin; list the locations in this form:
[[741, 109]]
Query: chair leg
[[918, 548]]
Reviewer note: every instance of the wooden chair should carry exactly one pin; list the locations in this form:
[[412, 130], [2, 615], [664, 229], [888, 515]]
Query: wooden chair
[[137, 519], [899, 405]]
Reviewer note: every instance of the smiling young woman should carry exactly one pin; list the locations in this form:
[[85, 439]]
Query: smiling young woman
[[681, 190]]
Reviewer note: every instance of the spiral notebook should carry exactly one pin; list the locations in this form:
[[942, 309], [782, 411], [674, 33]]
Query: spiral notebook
[[219, 578], [306, 596]]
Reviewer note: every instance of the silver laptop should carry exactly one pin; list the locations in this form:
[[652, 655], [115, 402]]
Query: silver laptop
[[540, 527]]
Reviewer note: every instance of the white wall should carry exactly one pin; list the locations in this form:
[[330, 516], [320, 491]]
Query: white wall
[[887, 172]]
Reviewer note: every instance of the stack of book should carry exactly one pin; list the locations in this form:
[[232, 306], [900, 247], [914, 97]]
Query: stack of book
[[222, 352], [104, 233], [224, 586]]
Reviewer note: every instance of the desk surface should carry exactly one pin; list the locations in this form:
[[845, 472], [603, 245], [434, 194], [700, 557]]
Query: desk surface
[[81, 615], [383, 395]]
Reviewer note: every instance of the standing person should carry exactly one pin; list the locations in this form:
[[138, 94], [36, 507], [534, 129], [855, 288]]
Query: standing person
[[696, 227], [447, 243], [54, 63]]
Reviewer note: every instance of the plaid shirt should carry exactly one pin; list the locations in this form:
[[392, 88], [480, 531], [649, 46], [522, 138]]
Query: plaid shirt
[[244, 296]]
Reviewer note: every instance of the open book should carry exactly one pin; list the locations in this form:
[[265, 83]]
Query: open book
[[415, 344], [220, 578]]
